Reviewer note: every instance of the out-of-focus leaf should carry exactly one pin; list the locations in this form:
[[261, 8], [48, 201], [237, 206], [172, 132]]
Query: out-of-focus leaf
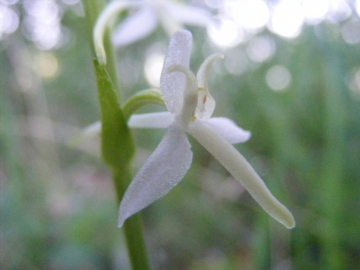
[[116, 142]]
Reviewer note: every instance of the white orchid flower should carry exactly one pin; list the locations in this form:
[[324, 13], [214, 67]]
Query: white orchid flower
[[190, 107]]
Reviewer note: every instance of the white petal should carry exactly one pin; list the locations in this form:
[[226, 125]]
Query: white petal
[[135, 27], [151, 120], [237, 165], [203, 72], [189, 15], [110, 11], [172, 85], [168, 21], [229, 130], [206, 103], [163, 170], [89, 132]]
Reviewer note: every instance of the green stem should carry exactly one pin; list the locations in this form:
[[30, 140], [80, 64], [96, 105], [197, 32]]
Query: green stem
[[117, 144], [133, 226], [92, 11]]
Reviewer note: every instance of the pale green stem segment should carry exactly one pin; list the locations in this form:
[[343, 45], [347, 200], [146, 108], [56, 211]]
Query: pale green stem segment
[[145, 97], [241, 170], [190, 96], [110, 11], [117, 145]]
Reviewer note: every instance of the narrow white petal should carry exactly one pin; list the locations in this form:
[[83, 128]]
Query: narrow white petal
[[93, 129], [135, 27], [189, 15], [237, 165], [89, 132], [206, 103], [110, 11], [229, 130], [166, 18], [151, 120], [172, 85], [203, 72], [163, 170]]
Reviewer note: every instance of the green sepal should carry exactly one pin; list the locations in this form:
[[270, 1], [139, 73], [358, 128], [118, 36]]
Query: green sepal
[[145, 97], [117, 146]]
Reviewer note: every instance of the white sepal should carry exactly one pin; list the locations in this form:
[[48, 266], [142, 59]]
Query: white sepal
[[110, 11], [229, 130], [189, 15], [190, 96], [241, 170], [135, 27], [162, 171], [172, 85]]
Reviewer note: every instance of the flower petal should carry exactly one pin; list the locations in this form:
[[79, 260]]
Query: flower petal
[[151, 120], [172, 85], [163, 170], [89, 132], [110, 11], [206, 103], [166, 18], [189, 15], [135, 27], [229, 130], [237, 165]]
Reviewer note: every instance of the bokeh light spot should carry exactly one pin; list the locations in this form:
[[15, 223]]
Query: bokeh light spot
[[226, 33], [42, 24], [354, 82], [46, 65], [261, 49], [153, 67], [236, 62], [315, 11], [350, 32], [278, 77], [9, 20], [287, 19], [339, 10], [250, 14]]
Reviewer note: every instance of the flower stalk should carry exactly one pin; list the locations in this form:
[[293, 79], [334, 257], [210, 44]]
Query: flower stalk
[[117, 147]]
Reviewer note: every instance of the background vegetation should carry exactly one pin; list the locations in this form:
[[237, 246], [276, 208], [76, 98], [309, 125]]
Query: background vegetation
[[57, 204]]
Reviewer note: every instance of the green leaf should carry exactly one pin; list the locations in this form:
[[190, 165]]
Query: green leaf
[[117, 146]]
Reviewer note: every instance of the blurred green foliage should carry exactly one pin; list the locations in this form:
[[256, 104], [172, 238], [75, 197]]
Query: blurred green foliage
[[57, 205]]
